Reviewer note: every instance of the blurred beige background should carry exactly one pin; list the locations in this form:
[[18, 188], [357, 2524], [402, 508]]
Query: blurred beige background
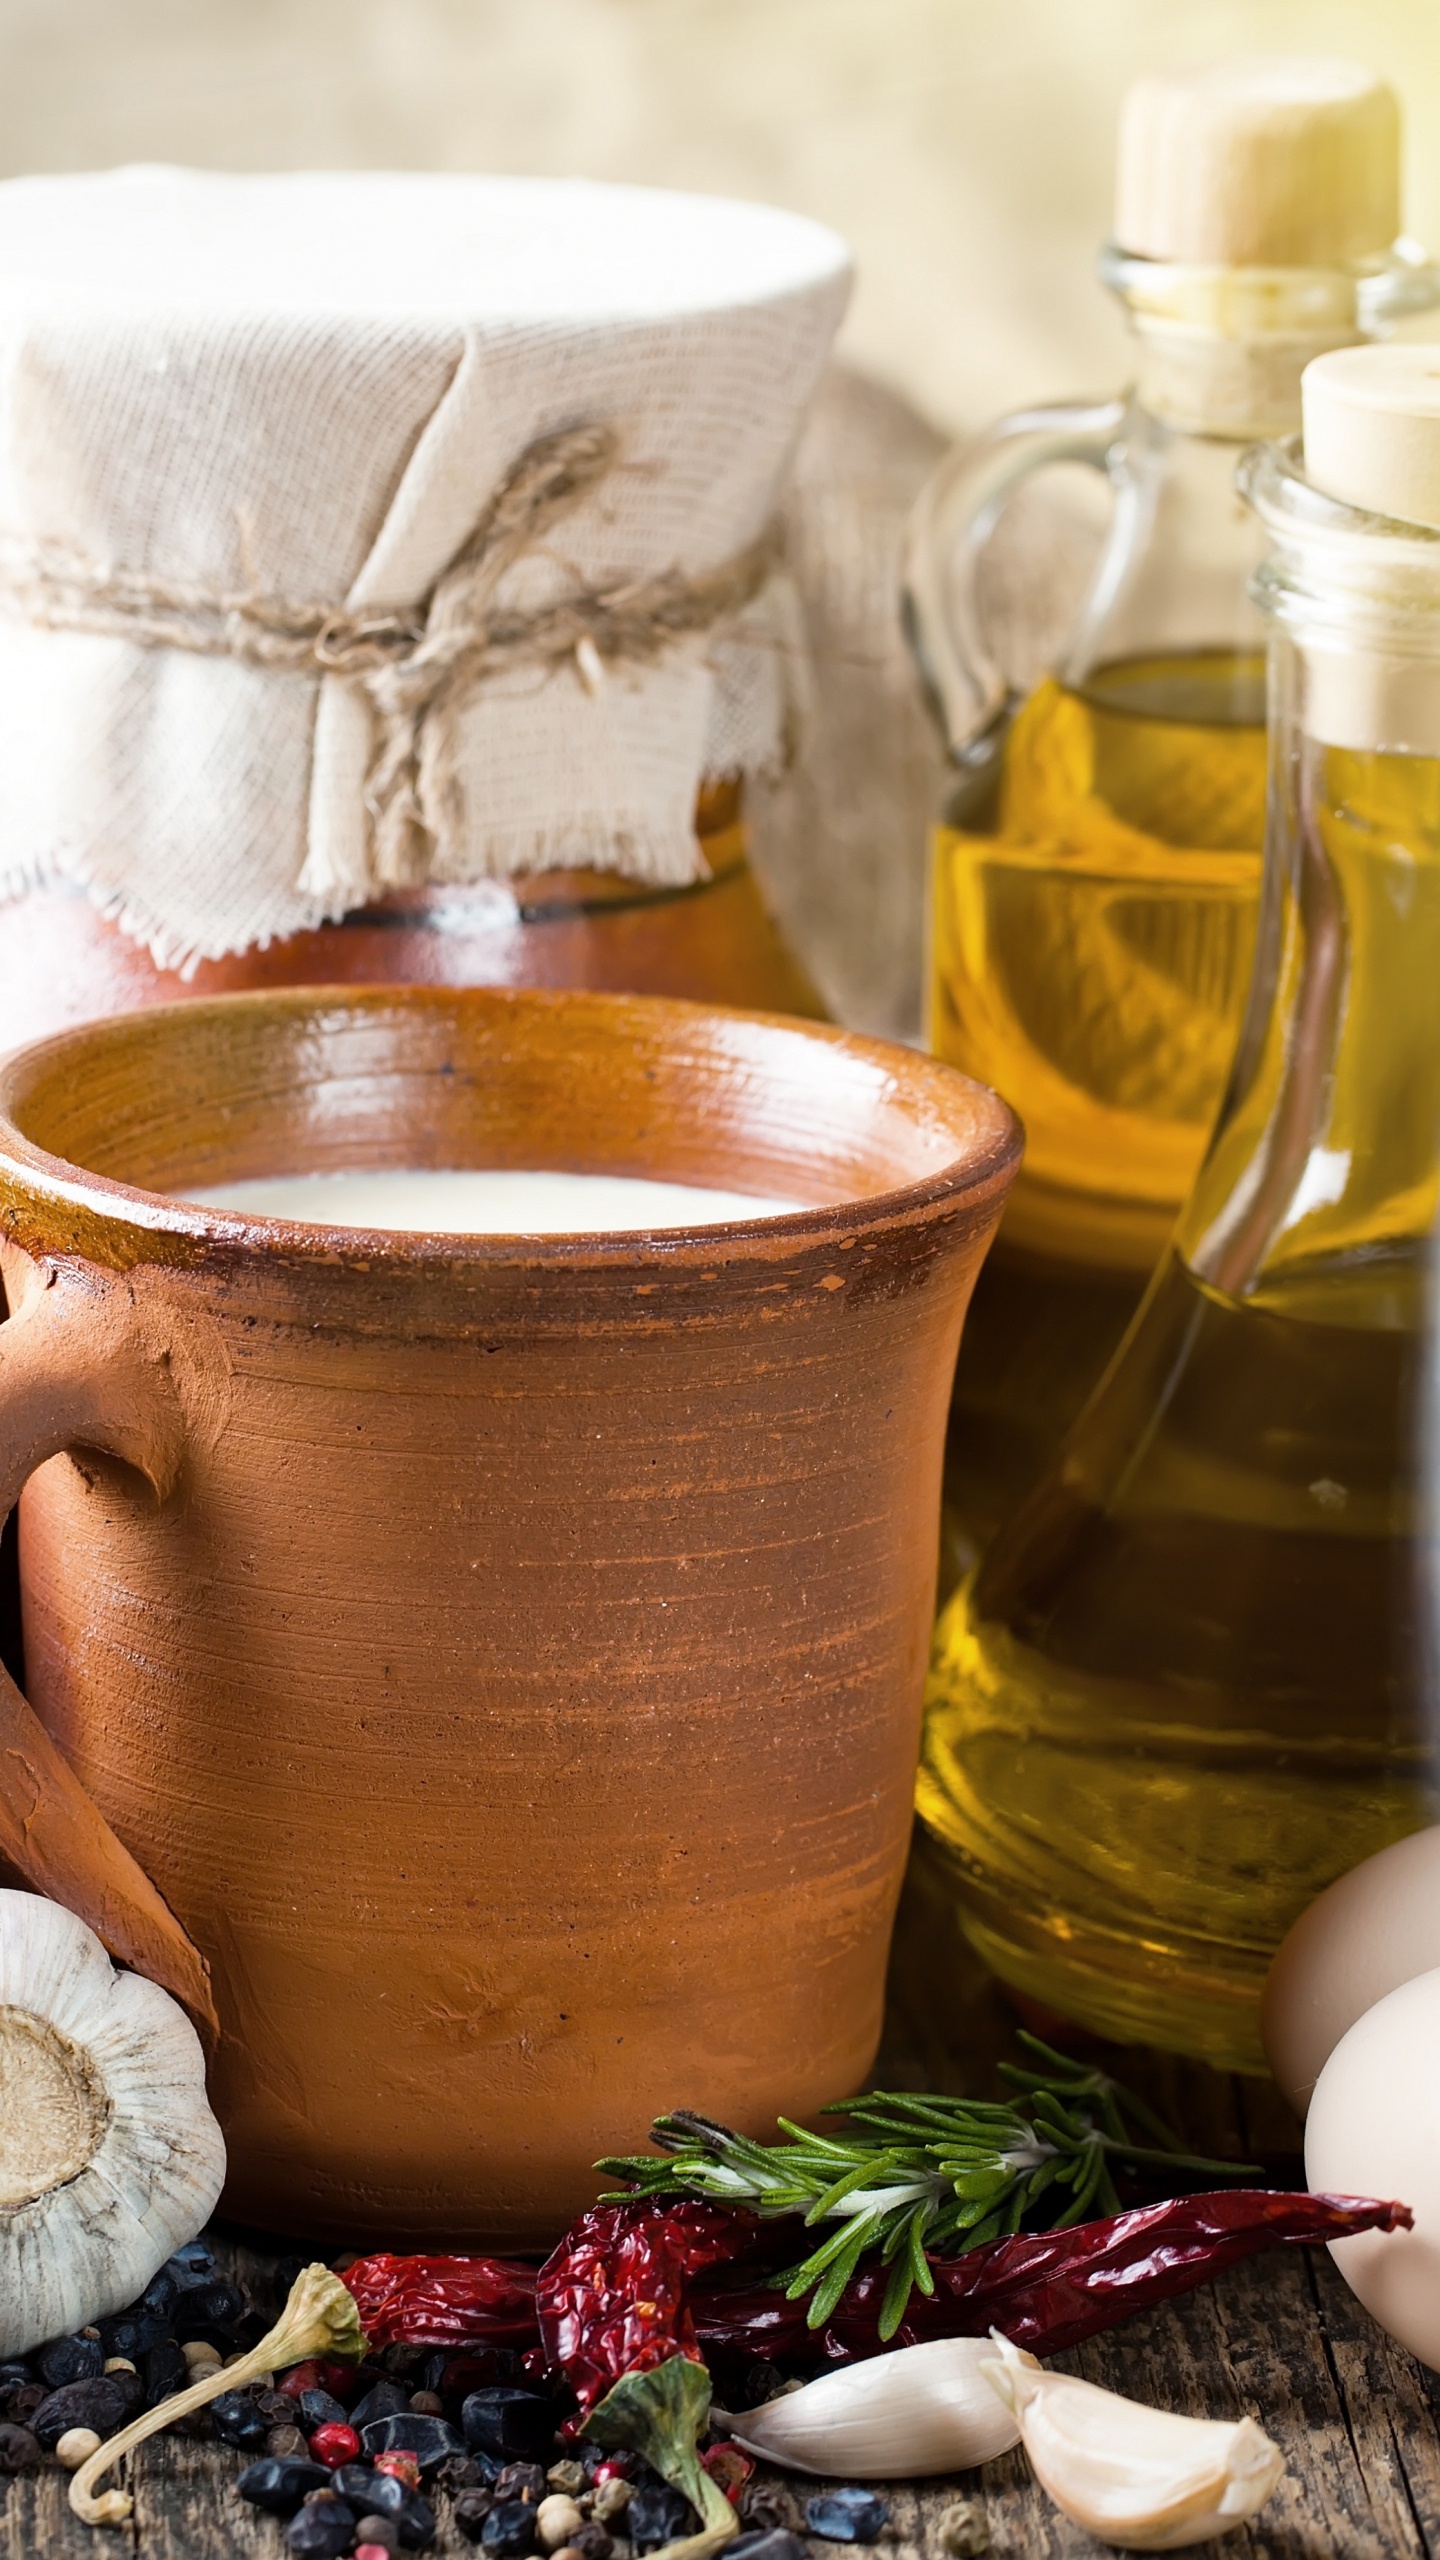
[[964, 145]]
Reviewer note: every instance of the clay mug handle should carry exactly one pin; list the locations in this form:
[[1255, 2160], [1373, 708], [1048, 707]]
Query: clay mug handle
[[77, 1370]]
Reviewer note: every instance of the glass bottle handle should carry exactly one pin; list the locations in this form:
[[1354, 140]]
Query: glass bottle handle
[[951, 523]]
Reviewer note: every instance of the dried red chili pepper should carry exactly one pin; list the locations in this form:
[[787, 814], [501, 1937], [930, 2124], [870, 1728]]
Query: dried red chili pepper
[[1047, 2289], [612, 2299], [614, 2319], [443, 2302]]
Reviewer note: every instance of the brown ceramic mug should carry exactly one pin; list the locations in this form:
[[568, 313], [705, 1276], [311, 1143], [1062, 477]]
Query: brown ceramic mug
[[482, 1675]]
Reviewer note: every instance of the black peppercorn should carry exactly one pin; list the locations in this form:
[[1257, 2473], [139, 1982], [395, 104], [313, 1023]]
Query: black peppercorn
[[508, 2531], [69, 2360], [321, 2532], [237, 2421], [470, 2511], [765, 2507], [429, 2439], [192, 2264], [516, 2426], [134, 2333], [97, 2403], [279, 2486], [165, 2371], [521, 2480], [468, 2471], [847, 2515], [218, 2301], [159, 2297], [657, 2513], [319, 2409], [384, 2399]]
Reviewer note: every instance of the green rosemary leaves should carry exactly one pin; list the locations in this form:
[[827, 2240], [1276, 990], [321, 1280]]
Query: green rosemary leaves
[[918, 2176]]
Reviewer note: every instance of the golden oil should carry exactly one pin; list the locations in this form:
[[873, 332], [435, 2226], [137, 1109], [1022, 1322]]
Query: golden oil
[[1093, 919], [1188, 1686]]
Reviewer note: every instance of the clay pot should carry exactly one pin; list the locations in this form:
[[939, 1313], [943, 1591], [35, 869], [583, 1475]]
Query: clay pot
[[484, 1674], [63, 962]]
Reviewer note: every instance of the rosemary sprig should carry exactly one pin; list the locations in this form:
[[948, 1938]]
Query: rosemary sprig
[[919, 2176]]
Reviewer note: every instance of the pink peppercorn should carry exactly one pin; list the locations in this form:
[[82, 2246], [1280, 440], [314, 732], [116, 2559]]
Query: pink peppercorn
[[371, 2551], [333, 2445], [302, 2377], [319, 2373], [729, 2468], [400, 2466], [619, 2469]]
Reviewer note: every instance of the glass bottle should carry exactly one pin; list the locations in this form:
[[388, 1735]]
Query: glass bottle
[[1192, 1681], [1096, 870]]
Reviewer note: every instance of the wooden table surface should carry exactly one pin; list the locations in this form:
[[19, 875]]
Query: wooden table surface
[[1357, 2419]]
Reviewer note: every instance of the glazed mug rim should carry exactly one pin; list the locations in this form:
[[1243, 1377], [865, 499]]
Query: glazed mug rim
[[151, 1220]]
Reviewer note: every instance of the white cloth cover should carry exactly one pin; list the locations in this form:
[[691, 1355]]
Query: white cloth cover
[[308, 387]]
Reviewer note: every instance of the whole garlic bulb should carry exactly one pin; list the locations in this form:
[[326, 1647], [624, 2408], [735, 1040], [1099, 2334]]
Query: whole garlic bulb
[[109, 2155], [896, 2417], [1141, 2478]]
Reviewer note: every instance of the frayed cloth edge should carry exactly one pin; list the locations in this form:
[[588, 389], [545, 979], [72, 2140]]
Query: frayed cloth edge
[[653, 859]]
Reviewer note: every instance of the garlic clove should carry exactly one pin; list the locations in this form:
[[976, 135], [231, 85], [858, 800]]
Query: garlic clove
[[1137, 2477], [109, 2155], [899, 2416]]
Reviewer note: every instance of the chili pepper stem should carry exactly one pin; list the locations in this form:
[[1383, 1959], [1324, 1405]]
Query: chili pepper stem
[[661, 2414], [319, 2319]]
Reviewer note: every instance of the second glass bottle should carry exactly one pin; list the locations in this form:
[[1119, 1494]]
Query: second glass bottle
[[1097, 870]]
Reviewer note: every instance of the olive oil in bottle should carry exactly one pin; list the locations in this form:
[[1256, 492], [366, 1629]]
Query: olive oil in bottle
[[1096, 872], [1091, 951], [1184, 1690], [1091, 955], [1197, 1675]]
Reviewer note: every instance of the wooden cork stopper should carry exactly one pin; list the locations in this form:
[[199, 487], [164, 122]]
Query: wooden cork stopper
[[1271, 162], [1372, 429]]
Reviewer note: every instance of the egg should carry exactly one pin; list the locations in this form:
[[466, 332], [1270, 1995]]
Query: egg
[[1374, 2130], [1378, 1927]]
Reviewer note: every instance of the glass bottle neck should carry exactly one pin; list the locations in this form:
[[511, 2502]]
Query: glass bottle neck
[[1237, 390], [1321, 1189], [1222, 349], [1221, 352]]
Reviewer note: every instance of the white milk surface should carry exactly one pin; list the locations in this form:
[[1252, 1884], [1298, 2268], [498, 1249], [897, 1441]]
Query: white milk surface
[[488, 1202]]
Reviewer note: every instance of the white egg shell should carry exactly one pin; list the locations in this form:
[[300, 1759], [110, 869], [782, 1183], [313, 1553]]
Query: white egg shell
[[1374, 2130], [1376, 1928]]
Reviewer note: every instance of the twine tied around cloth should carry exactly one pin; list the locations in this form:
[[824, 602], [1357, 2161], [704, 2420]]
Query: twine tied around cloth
[[416, 667]]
